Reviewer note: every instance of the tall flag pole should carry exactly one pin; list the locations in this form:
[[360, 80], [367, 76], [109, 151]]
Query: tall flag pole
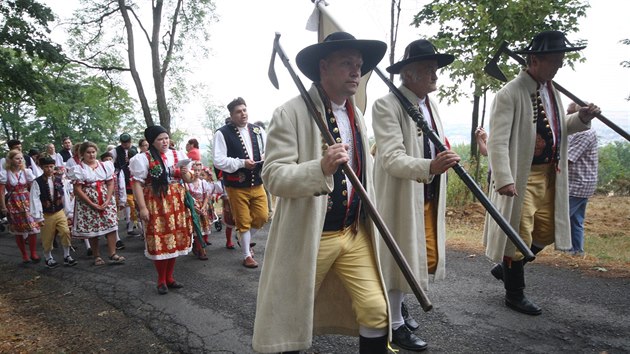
[[322, 22]]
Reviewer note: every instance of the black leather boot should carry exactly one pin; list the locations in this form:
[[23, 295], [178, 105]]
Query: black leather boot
[[409, 321], [514, 279], [497, 270], [376, 345]]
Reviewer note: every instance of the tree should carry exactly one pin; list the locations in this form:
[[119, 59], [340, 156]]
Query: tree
[[626, 63], [394, 21], [472, 30], [104, 37]]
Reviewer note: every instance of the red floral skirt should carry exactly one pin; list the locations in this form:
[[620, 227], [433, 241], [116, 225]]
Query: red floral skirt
[[168, 232]]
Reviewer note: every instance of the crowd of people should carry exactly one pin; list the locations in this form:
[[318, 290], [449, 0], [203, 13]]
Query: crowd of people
[[325, 268]]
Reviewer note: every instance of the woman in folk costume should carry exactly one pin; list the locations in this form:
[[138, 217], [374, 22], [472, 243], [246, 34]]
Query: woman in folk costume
[[95, 206], [160, 195], [202, 193], [16, 180]]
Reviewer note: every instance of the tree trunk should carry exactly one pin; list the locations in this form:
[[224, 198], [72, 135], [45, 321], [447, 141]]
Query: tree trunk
[[158, 81], [475, 124], [146, 110]]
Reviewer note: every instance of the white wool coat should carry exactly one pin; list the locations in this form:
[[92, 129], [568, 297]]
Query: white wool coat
[[400, 172], [288, 312], [510, 152]]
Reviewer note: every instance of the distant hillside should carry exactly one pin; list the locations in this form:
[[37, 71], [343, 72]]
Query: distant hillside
[[459, 133]]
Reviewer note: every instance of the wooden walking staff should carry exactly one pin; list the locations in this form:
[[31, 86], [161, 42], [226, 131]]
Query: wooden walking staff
[[417, 116], [356, 183]]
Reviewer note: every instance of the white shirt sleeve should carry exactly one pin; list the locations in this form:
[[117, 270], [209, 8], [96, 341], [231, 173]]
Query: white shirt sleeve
[[139, 167], [37, 211], [221, 160]]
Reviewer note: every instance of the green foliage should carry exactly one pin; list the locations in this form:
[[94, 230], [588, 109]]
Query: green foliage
[[613, 170], [457, 193], [472, 30]]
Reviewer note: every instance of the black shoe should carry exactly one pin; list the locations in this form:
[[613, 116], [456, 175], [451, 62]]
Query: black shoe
[[120, 245], [518, 302], [162, 289], [175, 285], [410, 322], [68, 261], [497, 271], [51, 263], [405, 339]]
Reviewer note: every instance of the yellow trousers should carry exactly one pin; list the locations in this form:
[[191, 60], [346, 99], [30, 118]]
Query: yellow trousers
[[131, 203], [249, 207], [430, 234], [351, 256], [537, 216], [55, 223]]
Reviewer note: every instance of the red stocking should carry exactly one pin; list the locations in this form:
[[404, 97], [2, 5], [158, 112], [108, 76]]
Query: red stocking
[[32, 245], [22, 246], [205, 239], [170, 267], [228, 237], [160, 266]]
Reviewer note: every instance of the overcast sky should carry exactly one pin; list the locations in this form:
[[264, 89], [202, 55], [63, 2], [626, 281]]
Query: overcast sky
[[242, 43]]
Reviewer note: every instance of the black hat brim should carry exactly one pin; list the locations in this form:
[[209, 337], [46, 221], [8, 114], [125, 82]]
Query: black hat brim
[[550, 51], [442, 61], [372, 52]]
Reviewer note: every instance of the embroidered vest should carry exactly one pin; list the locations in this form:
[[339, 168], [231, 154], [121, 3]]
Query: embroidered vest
[[545, 151], [236, 149], [343, 211], [54, 203]]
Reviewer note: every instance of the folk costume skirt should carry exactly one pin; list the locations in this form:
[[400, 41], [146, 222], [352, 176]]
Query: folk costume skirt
[[204, 218], [19, 211], [89, 222], [169, 230]]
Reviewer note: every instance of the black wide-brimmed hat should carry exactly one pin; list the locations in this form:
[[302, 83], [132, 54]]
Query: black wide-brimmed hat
[[419, 50], [548, 42], [372, 51]]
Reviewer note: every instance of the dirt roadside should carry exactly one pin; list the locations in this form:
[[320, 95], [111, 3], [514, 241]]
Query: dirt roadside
[[41, 314]]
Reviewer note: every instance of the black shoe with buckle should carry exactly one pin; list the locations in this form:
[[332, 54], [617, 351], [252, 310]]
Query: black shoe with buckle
[[120, 245], [405, 339]]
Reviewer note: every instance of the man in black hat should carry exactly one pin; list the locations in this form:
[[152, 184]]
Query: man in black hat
[[411, 183], [527, 150], [321, 272], [122, 154]]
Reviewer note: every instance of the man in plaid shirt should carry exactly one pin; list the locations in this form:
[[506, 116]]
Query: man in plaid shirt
[[582, 156]]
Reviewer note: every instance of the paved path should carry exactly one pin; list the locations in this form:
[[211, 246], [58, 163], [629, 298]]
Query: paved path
[[215, 311]]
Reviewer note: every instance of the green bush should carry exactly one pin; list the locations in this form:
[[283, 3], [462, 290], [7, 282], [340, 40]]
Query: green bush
[[457, 193], [614, 172]]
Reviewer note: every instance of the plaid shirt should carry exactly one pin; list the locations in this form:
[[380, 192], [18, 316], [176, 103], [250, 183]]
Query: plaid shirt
[[582, 163]]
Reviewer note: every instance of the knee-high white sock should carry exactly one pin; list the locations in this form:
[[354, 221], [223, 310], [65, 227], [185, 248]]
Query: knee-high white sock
[[66, 251], [87, 243], [48, 255], [368, 332], [128, 218], [117, 237], [396, 298], [246, 238]]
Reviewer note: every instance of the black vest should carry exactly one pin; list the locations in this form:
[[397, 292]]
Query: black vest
[[243, 177], [123, 164], [65, 154], [545, 151], [54, 204]]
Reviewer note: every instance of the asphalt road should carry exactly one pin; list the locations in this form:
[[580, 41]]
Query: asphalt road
[[214, 312]]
